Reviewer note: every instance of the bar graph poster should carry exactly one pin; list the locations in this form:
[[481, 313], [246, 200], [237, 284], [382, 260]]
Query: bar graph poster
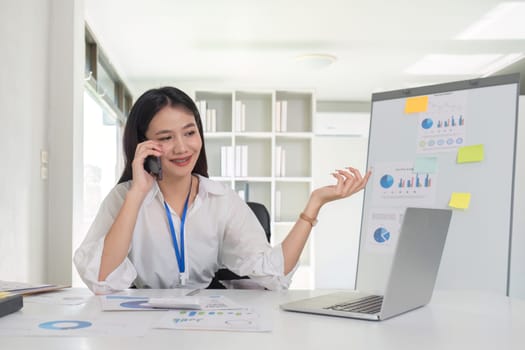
[[397, 185], [442, 128], [383, 229]]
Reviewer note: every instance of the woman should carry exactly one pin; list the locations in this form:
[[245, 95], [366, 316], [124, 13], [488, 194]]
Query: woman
[[176, 231]]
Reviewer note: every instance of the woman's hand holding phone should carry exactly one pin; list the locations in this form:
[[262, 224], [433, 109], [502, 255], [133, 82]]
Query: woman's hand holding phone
[[145, 173], [153, 166]]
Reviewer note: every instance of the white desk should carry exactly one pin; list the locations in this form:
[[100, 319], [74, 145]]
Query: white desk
[[453, 320]]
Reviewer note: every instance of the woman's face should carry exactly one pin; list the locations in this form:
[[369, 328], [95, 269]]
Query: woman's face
[[175, 129]]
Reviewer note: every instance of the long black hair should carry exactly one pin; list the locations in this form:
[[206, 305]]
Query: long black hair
[[141, 114]]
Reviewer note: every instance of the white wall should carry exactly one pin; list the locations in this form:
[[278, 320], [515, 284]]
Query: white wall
[[41, 65], [66, 91], [23, 97], [336, 236]]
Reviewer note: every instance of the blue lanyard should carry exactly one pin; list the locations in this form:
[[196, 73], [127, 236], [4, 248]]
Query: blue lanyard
[[179, 253]]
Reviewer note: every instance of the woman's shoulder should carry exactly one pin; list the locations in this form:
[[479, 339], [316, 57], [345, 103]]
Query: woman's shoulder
[[219, 192], [213, 187], [119, 191], [122, 187]]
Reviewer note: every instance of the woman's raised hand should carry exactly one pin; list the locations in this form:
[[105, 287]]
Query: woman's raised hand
[[349, 181]]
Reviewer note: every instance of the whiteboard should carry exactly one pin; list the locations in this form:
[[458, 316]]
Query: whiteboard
[[415, 137]]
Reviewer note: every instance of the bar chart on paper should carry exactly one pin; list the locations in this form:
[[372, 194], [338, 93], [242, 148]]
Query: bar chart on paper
[[399, 184], [234, 320], [442, 125]]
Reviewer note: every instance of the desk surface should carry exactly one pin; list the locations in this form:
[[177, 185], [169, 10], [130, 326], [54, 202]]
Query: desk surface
[[453, 320]]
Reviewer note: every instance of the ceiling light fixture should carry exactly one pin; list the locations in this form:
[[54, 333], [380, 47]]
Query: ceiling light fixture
[[501, 63], [481, 64], [443, 64], [315, 61], [505, 21]]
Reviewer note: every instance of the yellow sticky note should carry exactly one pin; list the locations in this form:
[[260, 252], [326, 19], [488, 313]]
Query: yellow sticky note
[[416, 104], [459, 200], [468, 154]]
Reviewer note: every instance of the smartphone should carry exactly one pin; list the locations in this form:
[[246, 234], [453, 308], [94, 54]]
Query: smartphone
[[152, 166]]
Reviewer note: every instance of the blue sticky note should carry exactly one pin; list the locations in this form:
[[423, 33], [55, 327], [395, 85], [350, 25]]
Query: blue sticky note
[[425, 165]]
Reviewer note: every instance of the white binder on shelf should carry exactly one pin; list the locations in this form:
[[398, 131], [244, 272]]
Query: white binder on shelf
[[201, 106], [244, 160], [227, 161], [278, 116], [280, 161], [284, 116]]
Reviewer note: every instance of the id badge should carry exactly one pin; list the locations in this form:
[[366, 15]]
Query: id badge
[[183, 278]]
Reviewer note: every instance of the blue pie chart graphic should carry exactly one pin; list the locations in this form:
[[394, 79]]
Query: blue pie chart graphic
[[62, 325], [381, 235], [386, 181], [427, 123], [136, 304]]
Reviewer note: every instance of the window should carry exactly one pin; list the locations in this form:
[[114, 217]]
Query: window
[[101, 140], [101, 162], [106, 102], [102, 79]]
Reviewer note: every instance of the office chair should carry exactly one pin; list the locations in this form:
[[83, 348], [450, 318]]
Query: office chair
[[263, 216]]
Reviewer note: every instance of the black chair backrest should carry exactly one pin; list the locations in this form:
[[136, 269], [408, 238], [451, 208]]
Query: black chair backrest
[[263, 216]]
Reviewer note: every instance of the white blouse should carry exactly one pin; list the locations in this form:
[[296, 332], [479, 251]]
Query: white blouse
[[220, 231]]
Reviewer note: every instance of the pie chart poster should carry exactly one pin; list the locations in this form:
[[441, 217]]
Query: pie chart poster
[[383, 228]]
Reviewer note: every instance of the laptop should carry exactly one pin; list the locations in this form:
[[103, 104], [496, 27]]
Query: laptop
[[412, 275]]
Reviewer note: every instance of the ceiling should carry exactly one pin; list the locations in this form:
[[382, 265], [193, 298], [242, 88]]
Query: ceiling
[[254, 44]]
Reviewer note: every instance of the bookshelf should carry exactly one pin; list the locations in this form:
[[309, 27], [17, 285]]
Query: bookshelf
[[260, 143]]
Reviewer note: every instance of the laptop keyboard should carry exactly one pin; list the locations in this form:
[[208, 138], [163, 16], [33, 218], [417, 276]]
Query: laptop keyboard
[[367, 305]]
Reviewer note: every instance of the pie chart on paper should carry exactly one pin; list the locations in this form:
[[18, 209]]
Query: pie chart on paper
[[386, 181], [427, 123], [381, 235]]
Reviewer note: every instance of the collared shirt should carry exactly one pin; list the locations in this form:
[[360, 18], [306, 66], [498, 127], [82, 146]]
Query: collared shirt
[[221, 231]]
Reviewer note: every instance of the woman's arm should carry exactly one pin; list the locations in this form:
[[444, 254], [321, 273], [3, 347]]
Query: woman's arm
[[88, 255], [348, 182], [118, 239]]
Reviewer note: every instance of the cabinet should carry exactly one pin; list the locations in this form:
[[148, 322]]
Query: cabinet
[[260, 143]]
